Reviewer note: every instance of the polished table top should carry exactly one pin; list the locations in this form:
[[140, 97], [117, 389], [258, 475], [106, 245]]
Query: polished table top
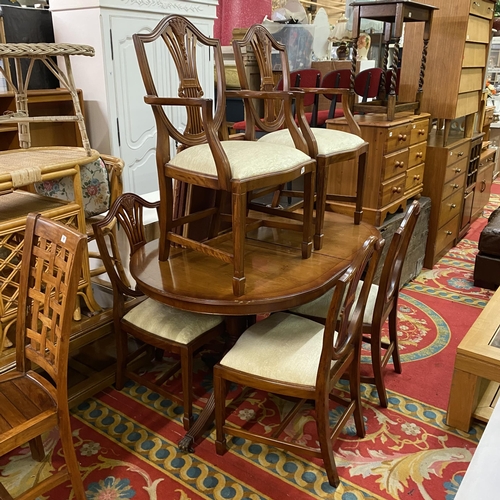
[[277, 278]]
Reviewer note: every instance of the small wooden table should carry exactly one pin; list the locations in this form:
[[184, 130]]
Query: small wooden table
[[277, 279], [477, 370]]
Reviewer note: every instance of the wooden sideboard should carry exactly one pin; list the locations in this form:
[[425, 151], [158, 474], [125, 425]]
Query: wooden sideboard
[[394, 168]]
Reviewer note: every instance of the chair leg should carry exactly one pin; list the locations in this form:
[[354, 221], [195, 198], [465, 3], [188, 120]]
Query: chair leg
[[220, 391], [393, 338], [36, 448], [321, 183], [239, 222], [121, 357], [187, 387], [70, 455], [165, 215], [360, 185], [355, 390], [325, 442], [378, 369], [307, 220]]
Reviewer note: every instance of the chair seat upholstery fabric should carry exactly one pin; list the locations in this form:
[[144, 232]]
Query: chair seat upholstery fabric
[[329, 141], [282, 347], [319, 307], [170, 323], [247, 159]]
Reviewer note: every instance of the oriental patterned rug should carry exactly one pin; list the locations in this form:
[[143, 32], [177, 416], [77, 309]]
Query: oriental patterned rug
[[126, 441]]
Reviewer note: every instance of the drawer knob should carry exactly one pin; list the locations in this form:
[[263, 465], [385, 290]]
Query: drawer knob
[[476, 4], [449, 233], [453, 206], [396, 189], [399, 164], [460, 154], [402, 137], [455, 186], [420, 154], [416, 177], [458, 170], [421, 131]]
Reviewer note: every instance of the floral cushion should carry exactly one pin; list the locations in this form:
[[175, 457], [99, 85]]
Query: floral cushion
[[96, 190]]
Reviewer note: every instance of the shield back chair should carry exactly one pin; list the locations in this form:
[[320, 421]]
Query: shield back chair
[[52, 261], [382, 305], [298, 358], [149, 321], [232, 167], [327, 147]]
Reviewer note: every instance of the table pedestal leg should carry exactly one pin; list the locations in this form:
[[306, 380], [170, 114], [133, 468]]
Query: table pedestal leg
[[235, 326]]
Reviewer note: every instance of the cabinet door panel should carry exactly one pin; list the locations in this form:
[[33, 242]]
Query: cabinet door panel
[[482, 8], [475, 55], [478, 30]]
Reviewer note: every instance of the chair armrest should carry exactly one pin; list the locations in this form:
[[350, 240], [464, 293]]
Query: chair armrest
[[176, 101], [322, 91]]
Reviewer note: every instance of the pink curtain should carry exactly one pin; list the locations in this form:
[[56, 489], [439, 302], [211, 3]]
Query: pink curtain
[[238, 14]]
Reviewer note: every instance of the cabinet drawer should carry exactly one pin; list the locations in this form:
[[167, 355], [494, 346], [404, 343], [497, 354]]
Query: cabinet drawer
[[397, 138], [455, 169], [394, 164], [450, 208], [467, 103], [456, 184], [419, 131], [471, 79], [446, 234], [487, 157], [458, 152], [414, 177], [392, 190], [475, 55], [417, 154], [482, 8], [478, 29]]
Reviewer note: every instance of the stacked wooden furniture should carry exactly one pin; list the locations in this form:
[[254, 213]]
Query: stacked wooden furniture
[[394, 168], [453, 94]]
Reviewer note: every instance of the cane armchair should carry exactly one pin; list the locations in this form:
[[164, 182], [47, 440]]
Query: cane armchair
[[231, 167]]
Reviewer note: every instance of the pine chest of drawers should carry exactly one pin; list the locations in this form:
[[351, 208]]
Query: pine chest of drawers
[[394, 167]]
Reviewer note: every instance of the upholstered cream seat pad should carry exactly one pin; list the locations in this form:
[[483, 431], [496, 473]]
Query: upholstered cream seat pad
[[319, 307], [170, 323], [329, 141], [282, 347], [247, 159]]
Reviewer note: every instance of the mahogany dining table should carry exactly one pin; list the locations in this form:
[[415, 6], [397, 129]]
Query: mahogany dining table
[[277, 279]]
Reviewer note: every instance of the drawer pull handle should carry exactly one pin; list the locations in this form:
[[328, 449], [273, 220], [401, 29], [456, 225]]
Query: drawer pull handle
[[396, 189], [421, 131], [483, 185], [448, 233], [416, 177], [458, 170], [475, 4], [399, 164], [460, 154], [455, 186], [452, 206], [420, 154], [402, 137]]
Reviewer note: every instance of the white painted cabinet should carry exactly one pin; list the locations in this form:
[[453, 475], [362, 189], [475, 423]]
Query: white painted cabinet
[[118, 120]]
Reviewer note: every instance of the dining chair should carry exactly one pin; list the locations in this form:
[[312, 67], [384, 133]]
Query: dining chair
[[382, 305], [340, 78], [31, 404], [327, 147], [367, 83], [295, 357], [152, 323], [231, 167]]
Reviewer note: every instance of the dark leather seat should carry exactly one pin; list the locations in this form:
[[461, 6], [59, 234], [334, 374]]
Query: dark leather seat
[[487, 266]]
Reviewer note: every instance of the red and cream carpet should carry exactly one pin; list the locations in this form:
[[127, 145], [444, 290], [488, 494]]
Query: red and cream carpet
[[126, 441]]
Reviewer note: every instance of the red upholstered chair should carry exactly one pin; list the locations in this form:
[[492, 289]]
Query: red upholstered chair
[[327, 147], [301, 359], [381, 305], [338, 79], [367, 83]]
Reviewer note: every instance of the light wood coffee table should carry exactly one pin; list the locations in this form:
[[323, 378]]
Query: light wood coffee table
[[476, 377]]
